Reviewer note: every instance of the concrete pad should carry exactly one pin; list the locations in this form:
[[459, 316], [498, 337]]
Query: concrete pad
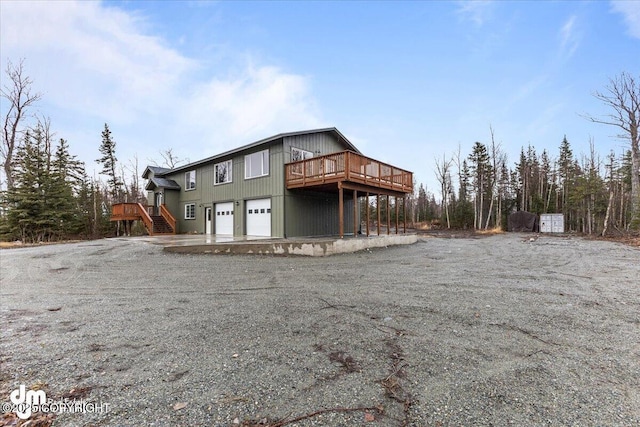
[[294, 246]]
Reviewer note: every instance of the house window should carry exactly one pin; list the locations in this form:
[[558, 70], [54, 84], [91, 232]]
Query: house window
[[256, 164], [298, 154], [190, 211], [190, 180], [222, 172]]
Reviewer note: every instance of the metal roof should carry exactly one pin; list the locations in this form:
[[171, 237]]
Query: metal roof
[[332, 130], [156, 170], [157, 182]]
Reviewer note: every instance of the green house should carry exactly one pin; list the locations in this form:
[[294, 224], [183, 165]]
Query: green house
[[308, 183]]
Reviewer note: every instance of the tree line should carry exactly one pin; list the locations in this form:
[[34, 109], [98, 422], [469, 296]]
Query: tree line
[[598, 194], [47, 194], [480, 190]]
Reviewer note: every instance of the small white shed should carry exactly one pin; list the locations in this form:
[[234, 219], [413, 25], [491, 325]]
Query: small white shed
[[552, 223]]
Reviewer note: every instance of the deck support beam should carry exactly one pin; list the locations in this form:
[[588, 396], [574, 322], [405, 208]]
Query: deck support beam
[[378, 211], [355, 213], [340, 210], [367, 207], [404, 215], [397, 210], [367, 192], [388, 216]]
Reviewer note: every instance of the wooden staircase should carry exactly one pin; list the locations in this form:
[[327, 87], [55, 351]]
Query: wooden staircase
[[161, 225], [164, 223]]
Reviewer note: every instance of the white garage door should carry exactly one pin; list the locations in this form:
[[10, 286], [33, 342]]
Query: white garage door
[[259, 217], [224, 218]]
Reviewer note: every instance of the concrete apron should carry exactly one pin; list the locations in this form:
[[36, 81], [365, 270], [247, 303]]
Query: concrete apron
[[305, 247]]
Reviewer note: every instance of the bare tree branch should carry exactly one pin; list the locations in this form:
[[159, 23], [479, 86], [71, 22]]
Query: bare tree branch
[[170, 160], [443, 174], [19, 96], [623, 97]]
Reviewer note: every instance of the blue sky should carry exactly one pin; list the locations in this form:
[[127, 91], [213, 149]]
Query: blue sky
[[406, 82]]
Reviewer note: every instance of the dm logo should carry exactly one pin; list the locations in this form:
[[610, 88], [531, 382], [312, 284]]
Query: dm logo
[[26, 400]]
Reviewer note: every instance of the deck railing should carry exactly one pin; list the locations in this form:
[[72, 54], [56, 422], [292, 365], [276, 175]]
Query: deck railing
[[138, 211], [124, 211], [347, 166]]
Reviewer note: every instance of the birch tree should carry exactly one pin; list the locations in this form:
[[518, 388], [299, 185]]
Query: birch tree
[[443, 174], [497, 158], [622, 95], [20, 98]]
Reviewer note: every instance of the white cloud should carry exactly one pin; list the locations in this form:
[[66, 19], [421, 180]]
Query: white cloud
[[260, 101], [478, 12], [95, 64], [90, 58], [630, 10], [528, 88], [569, 37]]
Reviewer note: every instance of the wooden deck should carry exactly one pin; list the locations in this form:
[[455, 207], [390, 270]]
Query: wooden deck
[[348, 167], [158, 222], [126, 211], [349, 171]]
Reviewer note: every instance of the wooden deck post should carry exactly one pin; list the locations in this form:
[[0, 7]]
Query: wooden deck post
[[367, 214], [388, 216], [378, 211], [404, 214], [340, 210], [397, 210], [355, 213]]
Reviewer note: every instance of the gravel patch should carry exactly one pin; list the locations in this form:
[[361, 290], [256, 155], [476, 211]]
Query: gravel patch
[[496, 331]]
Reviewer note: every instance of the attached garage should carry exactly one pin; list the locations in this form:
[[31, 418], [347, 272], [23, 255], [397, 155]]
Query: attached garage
[[259, 217], [224, 218]]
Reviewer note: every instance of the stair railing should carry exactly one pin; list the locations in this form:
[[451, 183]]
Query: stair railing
[[168, 217], [146, 219]]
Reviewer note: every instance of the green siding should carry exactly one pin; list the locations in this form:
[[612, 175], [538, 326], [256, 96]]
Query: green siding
[[171, 198], [318, 143], [316, 214], [238, 191], [292, 214]]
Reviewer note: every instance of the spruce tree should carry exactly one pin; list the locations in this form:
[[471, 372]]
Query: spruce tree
[[66, 174], [480, 169], [27, 200], [109, 164], [42, 204], [422, 203]]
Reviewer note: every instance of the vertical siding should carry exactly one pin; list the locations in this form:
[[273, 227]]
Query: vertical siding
[[172, 200], [278, 216], [307, 214], [316, 214], [238, 191], [176, 201], [317, 143], [311, 213]]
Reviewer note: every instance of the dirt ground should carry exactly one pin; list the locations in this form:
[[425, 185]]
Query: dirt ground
[[510, 329]]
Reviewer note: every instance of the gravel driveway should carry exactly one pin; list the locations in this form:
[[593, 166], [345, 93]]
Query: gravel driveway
[[447, 332]]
